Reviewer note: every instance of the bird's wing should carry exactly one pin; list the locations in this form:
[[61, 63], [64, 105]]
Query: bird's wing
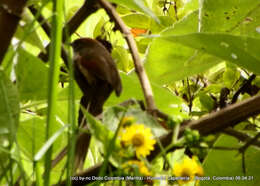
[[106, 69]]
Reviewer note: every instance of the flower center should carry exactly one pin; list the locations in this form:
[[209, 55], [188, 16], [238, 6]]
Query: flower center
[[186, 172], [138, 140]]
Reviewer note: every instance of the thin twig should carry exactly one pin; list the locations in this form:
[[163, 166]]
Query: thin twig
[[190, 97], [243, 88], [44, 24], [241, 136], [244, 148], [250, 142], [147, 90], [227, 116]]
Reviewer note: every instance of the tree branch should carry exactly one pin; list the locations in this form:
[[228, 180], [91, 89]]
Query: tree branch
[[41, 20], [243, 88], [89, 7], [241, 136], [226, 117], [147, 90], [217, 121], [10, 15]]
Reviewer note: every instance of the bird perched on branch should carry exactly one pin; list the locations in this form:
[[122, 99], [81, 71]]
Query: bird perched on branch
[[97, 76]]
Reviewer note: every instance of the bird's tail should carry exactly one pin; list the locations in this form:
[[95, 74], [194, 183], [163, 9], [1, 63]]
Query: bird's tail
[[93, 102]]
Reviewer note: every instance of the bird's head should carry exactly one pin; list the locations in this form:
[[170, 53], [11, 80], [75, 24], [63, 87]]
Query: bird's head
[[83, 43]]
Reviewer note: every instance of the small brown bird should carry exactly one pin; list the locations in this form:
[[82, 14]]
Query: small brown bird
[[97, 76]]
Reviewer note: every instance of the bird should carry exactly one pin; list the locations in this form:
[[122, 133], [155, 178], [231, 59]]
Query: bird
[[97, 76]]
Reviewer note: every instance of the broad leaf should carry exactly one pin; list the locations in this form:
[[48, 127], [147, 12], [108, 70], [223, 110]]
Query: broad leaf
[[238, 16], [240, 50], [9, 110], [138, 5], [164, 99], [216, 165], [170, 61], [32, 77]]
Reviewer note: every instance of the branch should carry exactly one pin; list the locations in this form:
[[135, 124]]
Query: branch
[[217, 121], [88, 8], [10, 15], [246, 85], [41, 20], [241, 136], [250, 142], [226, 117], [147, 90]]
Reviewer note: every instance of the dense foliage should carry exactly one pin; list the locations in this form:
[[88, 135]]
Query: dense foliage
[[202, 58]]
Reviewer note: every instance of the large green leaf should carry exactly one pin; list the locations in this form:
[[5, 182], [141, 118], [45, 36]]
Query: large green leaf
[[164, 99], [9, 118], [169, 61], [112, 116], [29, 31], [31, 135], [32, 77], [137, 20], [138, 5], [227, 16], [98, 129], [229, 163], [241, 50], [9, 109]]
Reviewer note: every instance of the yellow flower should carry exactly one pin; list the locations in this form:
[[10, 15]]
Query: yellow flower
[[140, 138], [187, 168], [143, 170], [199, 169]]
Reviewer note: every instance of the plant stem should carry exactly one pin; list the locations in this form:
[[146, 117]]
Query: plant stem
[[71, 115], [55, 52]]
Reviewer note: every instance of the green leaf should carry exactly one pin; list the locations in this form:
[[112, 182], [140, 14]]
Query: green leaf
[[142, 117], [241, 50], [98, 31], [206, 101], [98, 129], [31, 135], [217, 160], [165, 22], [188, 7], [49, 143], [9, 120], [122, 58], [170, 61], [231, 14], [9, 110], [164, 99], [31, 76], [112, 117], [138, 5], [33, 37], [230, 77], [137, 20]]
